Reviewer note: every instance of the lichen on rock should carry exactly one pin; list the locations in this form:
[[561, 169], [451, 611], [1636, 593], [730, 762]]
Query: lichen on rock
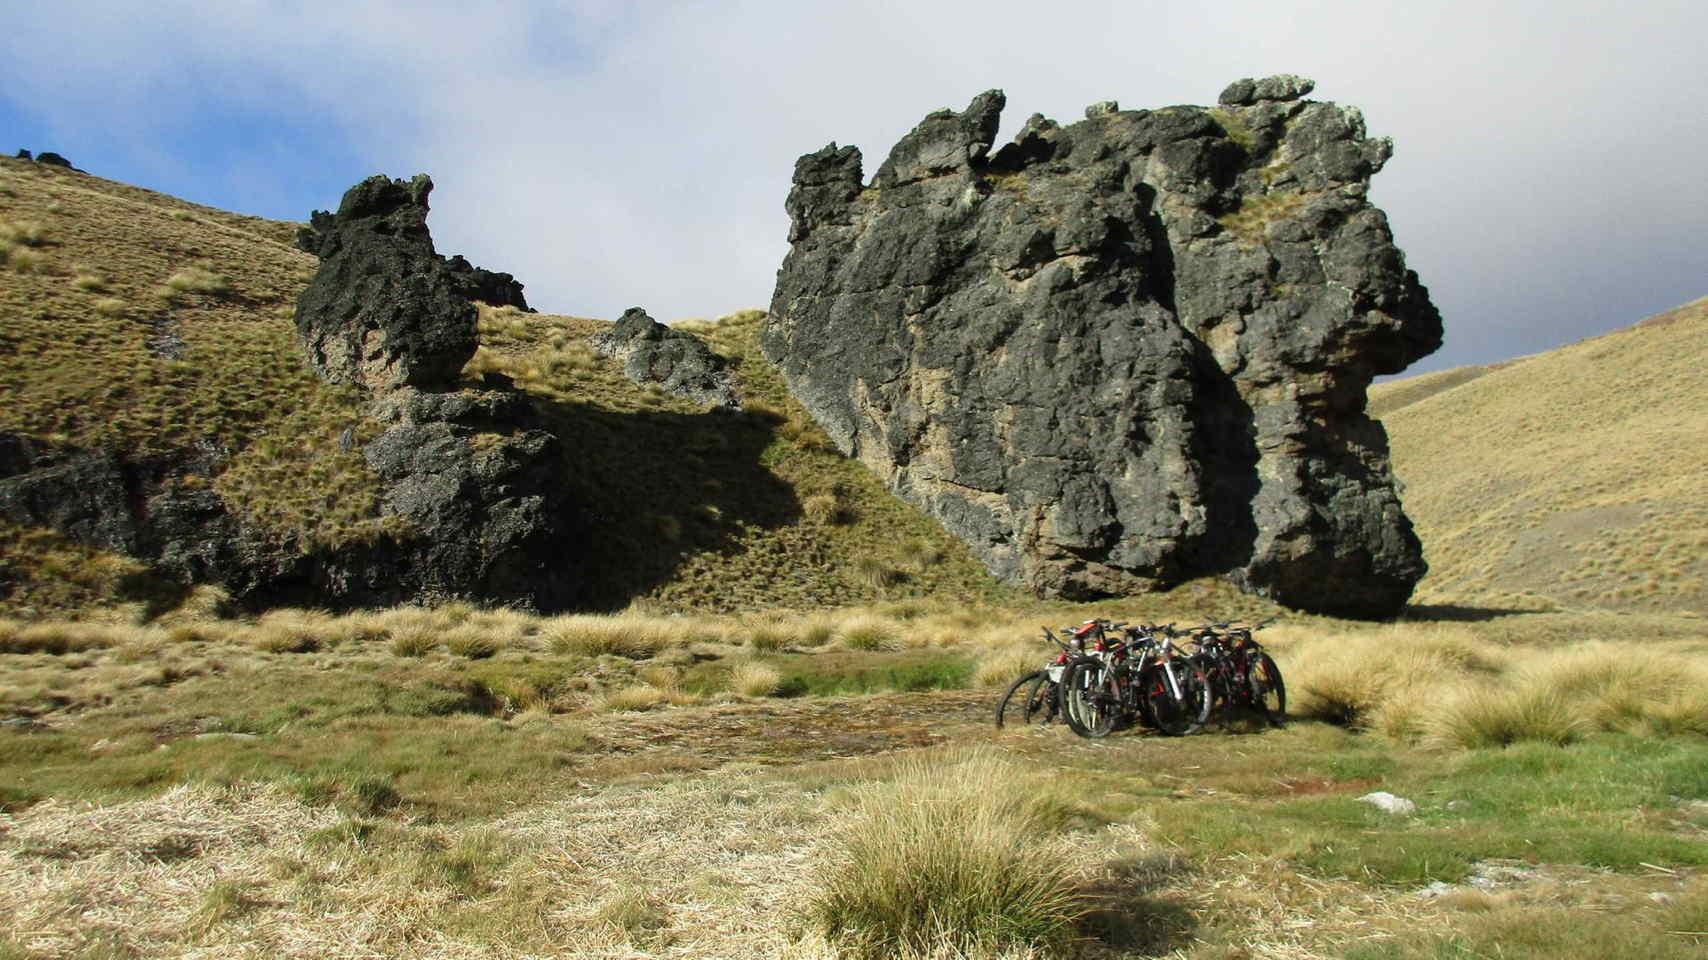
[[1123, 352]]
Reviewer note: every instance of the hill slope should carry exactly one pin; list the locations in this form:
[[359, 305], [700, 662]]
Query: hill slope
[[137, 324], [1573, 477]]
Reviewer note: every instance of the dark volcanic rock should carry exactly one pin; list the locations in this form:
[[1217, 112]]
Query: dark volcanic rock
[[480, 493], [488, 286], [24, 154], [1123, 352], [676, 360], [384, 310], [53, 160]]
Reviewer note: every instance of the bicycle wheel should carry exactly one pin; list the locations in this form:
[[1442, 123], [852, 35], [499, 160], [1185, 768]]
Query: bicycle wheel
[[1011, 708], [1268, 691], [1044, 702], [1088, 701], [1180, 707], [1215, 674]]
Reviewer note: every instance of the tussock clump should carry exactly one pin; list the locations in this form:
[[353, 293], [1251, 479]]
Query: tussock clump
[[876, 574], [624, 635], [59, 637], [751, 678], [24, 259], [824, 509], [196, 279], [640, 696], [1005, 666], [471, 643], [89, 282], [1499, 718], [869, 632], [948, 858], [1381, 680], [817, 631], [23, 233], [414, 640]]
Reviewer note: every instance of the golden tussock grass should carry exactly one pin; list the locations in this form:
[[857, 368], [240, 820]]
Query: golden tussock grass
[[623, 635], [752, 678], [868, 632], [1002, 667], [950, 855], [1446, 685], [1562, 478]]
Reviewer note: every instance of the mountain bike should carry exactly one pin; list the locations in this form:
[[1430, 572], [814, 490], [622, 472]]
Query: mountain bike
[[1036, 697], [1241, 674], [1142, 676]]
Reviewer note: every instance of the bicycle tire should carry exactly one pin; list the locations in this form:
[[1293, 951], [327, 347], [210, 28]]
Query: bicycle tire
[[1084, 705], [1268, 690], [1043, 704], [1029, 683], [1182, 716]]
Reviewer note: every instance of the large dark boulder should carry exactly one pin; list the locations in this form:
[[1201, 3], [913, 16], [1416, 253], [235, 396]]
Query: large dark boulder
[[674, 360], [1123, 352], [478, 488], [384, 310]]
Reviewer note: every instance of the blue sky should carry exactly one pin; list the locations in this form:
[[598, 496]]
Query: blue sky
[[1546, 184]]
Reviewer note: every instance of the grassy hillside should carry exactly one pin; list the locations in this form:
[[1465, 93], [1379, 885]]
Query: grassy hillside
[[141, 324], [1570, 478]]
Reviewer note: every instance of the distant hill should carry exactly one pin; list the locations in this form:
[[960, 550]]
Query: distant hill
[[136, 324], [1573, 478]]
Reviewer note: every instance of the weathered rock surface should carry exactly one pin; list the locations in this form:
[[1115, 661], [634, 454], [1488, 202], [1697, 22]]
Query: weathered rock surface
[[384, 310], [488, 286], [675, 360], [1123, 352], [54, 160], [479, 490]]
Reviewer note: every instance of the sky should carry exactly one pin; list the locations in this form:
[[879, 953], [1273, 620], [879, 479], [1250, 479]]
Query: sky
[[1547, 182]]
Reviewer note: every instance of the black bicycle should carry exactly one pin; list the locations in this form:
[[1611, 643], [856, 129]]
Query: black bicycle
[[1241, 674]]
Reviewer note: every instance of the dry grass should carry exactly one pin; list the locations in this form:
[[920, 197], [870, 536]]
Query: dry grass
[[95, 382], [1447, 685], [640, 696], [1002, 667], [950, 856], [197, 279], [868, 632], [752, 678], [1563, 479], [625, 635], [1250, 223]]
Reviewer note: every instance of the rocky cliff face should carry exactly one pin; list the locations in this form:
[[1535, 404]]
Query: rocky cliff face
[[1122, 352]]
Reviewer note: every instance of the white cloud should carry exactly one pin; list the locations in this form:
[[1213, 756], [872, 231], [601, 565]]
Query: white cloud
[[614, 154]]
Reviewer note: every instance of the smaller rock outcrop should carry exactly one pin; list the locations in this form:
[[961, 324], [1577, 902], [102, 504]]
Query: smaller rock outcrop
[[478, 489], [675, 360], [384, 310], [24, 154], [489, 286]]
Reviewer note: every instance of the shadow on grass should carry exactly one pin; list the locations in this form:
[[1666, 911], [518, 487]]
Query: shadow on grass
[[1128, 915], [657, 487], [1457, 613]]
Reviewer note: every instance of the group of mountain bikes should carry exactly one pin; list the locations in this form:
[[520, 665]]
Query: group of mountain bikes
[[1108, 675]]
